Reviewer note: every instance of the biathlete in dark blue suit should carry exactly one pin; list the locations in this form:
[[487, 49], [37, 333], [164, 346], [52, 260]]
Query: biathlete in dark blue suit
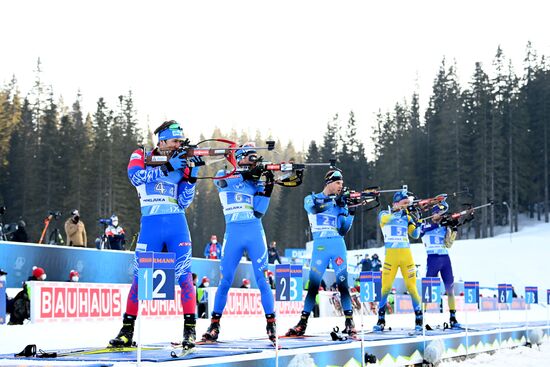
[[164, 192], [329, 219], [438, 236], [245, 199]]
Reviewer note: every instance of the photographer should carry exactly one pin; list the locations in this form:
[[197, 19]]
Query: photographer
[[115, 234], [75, 230], [20, 234]]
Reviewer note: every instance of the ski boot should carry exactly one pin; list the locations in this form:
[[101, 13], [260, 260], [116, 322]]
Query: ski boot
[[126, 334], [213, 330], [418, 321], [453, 323], [381, 324], [189, 333], [271, 328], [300, 328], [349, 327]]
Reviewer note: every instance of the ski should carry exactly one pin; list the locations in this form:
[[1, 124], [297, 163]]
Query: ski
[[30, 351], [182, 354]]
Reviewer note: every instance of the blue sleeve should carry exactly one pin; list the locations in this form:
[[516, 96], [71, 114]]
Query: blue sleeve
[[415, 233], [345, 220], [206, 250], [186, 193], [137, 172], [314, 204], [261, 203]]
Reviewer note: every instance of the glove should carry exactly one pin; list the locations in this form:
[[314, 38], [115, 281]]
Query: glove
[[269, 177], [342, 198], [197, 162], [178, 161], [256, 172]]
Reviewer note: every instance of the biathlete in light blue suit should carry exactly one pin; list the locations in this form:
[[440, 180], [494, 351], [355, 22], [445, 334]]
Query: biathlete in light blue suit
[[329, 219], [245, 199]]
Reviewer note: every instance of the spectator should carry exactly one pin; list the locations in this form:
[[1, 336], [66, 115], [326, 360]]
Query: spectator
[[195, 279], [74, 276], [366, 263], [272, 253], [376, 263], [75, 230], [38, 273], [271, 279], [213, 250], [245, 283], [202, 298], [115, 234], [20, 234], [22, 302]]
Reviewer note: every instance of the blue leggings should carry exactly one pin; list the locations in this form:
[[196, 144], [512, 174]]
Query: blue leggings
[[168, 230], [249, 236], [325, 250]]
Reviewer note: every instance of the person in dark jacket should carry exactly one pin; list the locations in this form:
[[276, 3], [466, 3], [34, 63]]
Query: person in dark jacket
[[272, 253], [376, 263], [366, 263]]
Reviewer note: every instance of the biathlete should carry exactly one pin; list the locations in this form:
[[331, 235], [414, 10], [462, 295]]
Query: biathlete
[[245, 199], [397, 225], [438, 236], [329, 219], [164, 192]]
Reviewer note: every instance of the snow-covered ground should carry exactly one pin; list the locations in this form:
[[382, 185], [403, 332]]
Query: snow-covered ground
[[522, 261]]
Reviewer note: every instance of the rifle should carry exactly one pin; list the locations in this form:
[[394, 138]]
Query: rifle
[[360, 198], [453, 219], [195, 150], [292, 172]]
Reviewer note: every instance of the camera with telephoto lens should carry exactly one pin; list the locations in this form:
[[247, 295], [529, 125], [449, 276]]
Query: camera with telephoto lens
[[55, 214], [107, 221], [2, 210]]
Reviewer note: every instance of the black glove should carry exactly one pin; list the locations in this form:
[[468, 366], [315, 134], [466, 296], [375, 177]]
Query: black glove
[[269, 183], [342, 198], [256, 172]]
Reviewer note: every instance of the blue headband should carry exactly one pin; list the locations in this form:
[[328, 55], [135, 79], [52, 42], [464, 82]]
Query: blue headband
[[244, 151], [400, 195], [174, 131], [333, 176]]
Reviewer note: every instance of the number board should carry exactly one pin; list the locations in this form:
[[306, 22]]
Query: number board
[[296, 282], [156, 275], [431, 290], [2, 302], [504, 293], [371, 286], [288, 282], [471, 292], [531, 295]]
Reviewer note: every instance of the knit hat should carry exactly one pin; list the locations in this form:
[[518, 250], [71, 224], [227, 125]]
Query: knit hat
[[38, 273]]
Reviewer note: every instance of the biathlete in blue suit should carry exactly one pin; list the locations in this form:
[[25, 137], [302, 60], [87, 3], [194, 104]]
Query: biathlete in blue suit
[[245, 199], [164, 192], [329, 219], [438, 237]]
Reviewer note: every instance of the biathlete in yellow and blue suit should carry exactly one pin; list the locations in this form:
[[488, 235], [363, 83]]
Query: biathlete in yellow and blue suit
[[397, 226]]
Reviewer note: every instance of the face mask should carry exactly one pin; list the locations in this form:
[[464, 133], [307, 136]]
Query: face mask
[[76, 218], [214, 241], [2, 278], [115, 223], [206, 284], [42, 277], [74, 278]]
